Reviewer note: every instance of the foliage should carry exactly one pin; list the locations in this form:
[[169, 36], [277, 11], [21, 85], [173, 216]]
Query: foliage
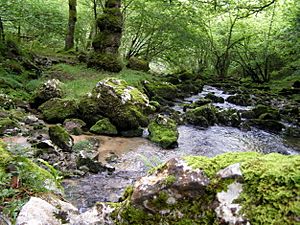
[[20, 178]]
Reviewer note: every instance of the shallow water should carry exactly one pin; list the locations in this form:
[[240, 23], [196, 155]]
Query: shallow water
[[138, 155], [209, 89]]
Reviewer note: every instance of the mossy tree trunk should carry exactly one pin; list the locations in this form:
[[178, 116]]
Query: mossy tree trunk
[[1, 31], [69, 42], [108, 38]]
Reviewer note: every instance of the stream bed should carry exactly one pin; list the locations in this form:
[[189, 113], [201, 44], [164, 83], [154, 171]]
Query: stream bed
[[137, 155]]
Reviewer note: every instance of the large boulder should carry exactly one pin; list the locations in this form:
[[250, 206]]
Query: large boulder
[[125, 106], [61, 138], [56, 110], [233, 188], [50, 89], [163, 131], [163, 90]]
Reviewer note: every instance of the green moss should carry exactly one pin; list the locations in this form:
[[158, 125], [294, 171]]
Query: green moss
[[163, 90], [33, 180], [104, 126], [57, 110], [111, 20], [61, 137], [170, 180], [163, 131], [271, 184], [7, 123], [202, 116], [138, 64], [263, 109], [105, 61]]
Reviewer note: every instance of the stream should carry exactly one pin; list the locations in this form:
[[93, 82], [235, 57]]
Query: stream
[[137, 155]]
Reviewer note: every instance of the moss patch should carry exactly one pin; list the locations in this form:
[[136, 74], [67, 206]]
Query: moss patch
[[56, 110], [163, 131], [271, 184], [61, 137], [32, 181], [104, 126]]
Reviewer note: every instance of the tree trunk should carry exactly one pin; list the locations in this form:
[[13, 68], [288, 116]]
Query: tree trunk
[[69, 42], [2, 37]]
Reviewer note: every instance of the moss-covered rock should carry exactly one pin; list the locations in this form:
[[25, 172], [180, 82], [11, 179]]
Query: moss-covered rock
[[259, 110], [229, 117], [60, 137], [74, 126], [163, 90], [88, 110], [214, 98], [105, 61], [203, 116], [20, 178], [260, 189], [7, 123], [125, 106], [267, 124], [104, 126], [50, 89], [56, 110], [163, 131], [240, 99], [138, 64]]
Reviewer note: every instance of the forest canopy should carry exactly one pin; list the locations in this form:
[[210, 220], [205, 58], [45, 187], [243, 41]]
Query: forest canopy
[[258, 39]]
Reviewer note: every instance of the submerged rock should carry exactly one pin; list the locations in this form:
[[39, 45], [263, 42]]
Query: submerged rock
[[163, 131], [61, 138], [268, 125]]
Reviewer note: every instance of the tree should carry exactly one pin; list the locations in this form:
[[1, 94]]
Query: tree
[[2, 37], [108, 39], [69, 43]]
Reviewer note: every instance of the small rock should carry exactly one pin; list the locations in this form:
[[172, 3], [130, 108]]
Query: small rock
[[232, 171], [228, 211]]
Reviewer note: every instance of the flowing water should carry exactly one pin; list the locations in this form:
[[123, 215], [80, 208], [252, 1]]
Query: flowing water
[[137, 155]]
